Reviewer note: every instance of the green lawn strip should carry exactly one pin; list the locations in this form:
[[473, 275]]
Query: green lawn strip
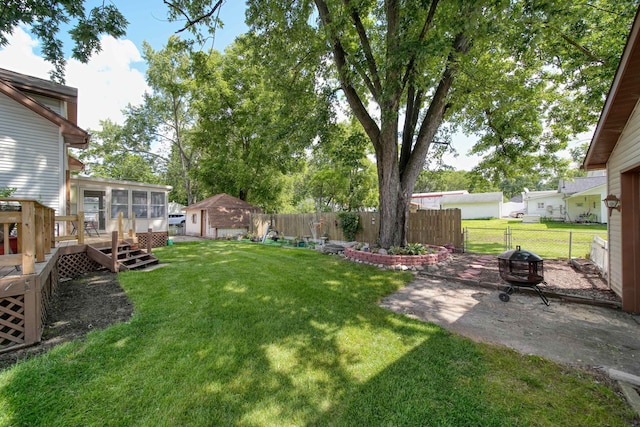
[[233, 333], [549, 240]]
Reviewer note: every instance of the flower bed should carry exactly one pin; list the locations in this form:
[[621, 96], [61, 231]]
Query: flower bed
[[439, 254]]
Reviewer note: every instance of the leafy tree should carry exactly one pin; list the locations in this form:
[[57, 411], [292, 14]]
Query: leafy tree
[[442, 180], [114, 153], [340, 175], [526, 75], [167, 116], [45, 18], [252, 130], [495, 67]]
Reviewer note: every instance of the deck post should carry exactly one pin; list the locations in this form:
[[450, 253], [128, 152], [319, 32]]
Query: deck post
[[30, 311], [40, 234], [27, 237], [149, 240], [120, 226], [81, 228], [114, 251]]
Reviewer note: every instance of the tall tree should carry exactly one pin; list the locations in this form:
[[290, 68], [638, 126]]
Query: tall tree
[[252, 130], [115, 153], [527, 74], [45, 18], [166, 117]]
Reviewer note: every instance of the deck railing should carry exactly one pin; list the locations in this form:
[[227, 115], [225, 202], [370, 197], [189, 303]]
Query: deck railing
[[34, 237], [28, 231]]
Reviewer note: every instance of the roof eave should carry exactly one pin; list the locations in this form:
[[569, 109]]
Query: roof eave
[[73, 135]]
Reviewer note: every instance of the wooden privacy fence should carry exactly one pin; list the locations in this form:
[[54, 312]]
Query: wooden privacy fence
[[434, 227]]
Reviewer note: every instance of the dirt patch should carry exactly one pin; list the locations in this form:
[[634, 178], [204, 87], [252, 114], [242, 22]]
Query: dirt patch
[[93, 301], [560, 277]]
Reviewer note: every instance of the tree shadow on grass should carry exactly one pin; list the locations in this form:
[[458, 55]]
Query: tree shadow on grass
[[239, 336]]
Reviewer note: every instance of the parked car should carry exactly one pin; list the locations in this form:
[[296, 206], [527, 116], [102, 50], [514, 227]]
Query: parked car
[[177, 219], [518, 214]]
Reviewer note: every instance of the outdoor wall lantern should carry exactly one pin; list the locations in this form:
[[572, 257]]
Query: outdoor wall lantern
[[612, 203]]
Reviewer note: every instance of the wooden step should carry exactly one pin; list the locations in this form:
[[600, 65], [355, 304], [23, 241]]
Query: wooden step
[[127, 258], [140, 263]]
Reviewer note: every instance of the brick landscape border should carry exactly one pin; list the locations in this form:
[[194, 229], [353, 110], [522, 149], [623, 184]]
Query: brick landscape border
[[440, 254]]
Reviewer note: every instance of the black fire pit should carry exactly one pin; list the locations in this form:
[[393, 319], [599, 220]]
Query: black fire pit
[[521, 269]]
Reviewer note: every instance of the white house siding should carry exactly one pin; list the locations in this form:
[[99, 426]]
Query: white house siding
[[30, 159], [551, 205], [625, 156], [110, 222], [476, 210]]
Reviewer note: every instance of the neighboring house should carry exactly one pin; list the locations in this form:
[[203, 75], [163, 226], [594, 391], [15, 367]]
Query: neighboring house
[[545, 204], [616, 147], [219, 216], [474, 206], [431, 200], [102, 200], [583, 198], [38, 125], [575, 200]]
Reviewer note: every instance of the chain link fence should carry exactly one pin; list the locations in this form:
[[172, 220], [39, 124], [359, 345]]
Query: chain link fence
[[545, 243]]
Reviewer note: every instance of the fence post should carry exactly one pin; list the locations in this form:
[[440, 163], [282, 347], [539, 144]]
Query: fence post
[[570, 243], [465, 246]]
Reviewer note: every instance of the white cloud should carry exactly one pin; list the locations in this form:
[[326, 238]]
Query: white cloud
[[106, 84]]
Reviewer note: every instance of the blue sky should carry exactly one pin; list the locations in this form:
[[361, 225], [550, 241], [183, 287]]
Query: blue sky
[[115, 77]]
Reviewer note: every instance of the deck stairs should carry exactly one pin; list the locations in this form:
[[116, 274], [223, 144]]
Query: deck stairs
[[128, 257]]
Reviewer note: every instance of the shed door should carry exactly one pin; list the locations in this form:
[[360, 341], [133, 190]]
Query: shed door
[[203, 223]]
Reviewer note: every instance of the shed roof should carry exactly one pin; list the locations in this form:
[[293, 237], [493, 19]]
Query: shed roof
[[222, 200], [621, 101], [473, 198]]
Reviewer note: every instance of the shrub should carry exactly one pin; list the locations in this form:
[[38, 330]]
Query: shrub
[[410, 249], [349, 222]]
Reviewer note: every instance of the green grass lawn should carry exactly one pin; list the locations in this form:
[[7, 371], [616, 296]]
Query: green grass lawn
[[549, 240], [233, 333]]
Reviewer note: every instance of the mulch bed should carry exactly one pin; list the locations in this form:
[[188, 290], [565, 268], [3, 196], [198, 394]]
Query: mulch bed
[[559, 275], [90, 302]]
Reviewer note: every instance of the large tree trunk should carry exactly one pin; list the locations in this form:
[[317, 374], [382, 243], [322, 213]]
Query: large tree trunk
[[390, 190]]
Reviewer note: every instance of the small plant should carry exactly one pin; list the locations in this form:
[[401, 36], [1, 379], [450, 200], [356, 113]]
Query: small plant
[[349, 222], [7, 191], [416, 249], [394, 250], [410, 249]]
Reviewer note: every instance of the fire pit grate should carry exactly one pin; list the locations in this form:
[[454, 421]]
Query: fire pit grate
[[521, 269]]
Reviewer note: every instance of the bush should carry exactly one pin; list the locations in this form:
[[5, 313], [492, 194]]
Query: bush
[[349, 222]]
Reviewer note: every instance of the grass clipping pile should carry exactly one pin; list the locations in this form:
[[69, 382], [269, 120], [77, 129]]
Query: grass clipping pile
[[93, 301]]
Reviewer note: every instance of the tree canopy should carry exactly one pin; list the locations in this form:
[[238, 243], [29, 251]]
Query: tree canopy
[[525, 76], [45, 18]]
